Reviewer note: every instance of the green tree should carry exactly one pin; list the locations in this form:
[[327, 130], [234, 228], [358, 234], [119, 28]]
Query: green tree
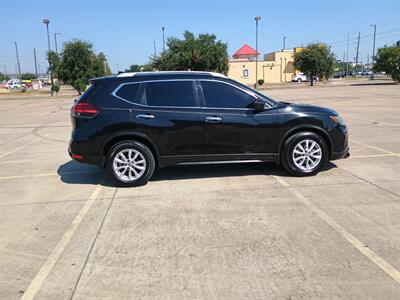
[[315, 60], [79, 63], [54, 60], [100, 66], [388, 59], [28, 76], [202, 53], [134, 68], [147, 68], [140, 68], [3, 77]]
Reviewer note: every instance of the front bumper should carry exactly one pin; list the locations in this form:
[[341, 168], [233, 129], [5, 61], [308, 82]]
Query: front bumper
[[342, 154]]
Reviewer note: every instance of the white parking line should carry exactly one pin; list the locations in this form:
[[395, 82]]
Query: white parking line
[[356, 243], [48, 174], [23, 146], [372, 147], [46, 268], [16, 161], [375, 155]]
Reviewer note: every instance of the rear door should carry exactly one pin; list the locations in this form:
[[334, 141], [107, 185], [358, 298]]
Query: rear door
[[233, 129], [169, 113]]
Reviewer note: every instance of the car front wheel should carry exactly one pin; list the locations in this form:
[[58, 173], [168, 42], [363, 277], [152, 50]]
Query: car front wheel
[[305, 154], [130, 163]]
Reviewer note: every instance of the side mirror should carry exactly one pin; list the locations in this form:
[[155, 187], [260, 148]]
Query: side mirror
[[259, 105]]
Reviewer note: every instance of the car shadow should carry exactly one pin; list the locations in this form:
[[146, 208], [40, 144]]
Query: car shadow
[[75, 173]]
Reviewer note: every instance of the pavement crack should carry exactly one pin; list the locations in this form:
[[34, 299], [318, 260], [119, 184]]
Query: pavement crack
[[93, 244], [369, 182]]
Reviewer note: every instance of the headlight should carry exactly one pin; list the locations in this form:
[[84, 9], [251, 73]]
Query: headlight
[[338, 120]]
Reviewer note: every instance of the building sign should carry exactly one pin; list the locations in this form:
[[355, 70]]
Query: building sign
[[245, 73]]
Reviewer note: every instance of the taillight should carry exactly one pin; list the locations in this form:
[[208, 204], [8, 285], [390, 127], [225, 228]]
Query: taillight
[[84, 109]]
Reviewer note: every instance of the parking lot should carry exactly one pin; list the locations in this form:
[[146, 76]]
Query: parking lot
[[243, 231]]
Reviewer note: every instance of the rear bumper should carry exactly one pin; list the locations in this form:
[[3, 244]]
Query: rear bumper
[[78, 152]]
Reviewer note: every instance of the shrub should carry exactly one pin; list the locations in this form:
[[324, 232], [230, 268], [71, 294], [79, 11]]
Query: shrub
[[260, 81], [55, 88]]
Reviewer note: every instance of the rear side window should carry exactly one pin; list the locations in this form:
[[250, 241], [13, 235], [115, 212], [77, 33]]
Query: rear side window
[[89, 92], [170, 93], [128, 91], [218, 94]]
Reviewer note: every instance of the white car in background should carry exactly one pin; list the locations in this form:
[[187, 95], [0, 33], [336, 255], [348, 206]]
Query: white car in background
[[15, 84], [300, 77]]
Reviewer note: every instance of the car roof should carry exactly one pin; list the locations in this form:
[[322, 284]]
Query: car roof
[[160, 75]]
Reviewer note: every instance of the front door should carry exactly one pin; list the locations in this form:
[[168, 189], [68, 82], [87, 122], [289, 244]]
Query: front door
[[233, 129]]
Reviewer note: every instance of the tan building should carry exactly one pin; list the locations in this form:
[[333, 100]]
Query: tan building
[[276, 67]]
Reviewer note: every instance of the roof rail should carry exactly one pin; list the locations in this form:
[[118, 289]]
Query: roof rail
[[130, 74]]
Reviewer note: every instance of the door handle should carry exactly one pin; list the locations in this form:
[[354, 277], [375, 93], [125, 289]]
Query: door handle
[[213, 119], [145, 116]]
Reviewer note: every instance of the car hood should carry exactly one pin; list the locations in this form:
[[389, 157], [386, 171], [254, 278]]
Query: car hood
[[297, 107]]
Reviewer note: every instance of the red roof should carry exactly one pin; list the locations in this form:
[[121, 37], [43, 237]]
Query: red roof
[[245, 51]]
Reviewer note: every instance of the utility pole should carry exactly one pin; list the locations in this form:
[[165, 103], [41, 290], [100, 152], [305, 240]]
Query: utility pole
[[55, 40], [373, 47], [257, 20], [343, 62], [358, 48], [163, 37], [46, 21], [347, 54], [18, 64], [5, 70], [34, 58], [284, 43], [155, 50]]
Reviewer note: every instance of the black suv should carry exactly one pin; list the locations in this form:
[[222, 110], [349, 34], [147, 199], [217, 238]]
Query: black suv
[[134, 122]]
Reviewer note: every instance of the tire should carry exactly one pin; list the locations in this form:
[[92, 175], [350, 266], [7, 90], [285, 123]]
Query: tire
[[304, 163], [130, 163], [299, 80]]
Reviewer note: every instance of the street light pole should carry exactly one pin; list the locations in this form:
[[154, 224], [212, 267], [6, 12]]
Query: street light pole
[[55, 40], [284, 43], [47, 21], [35, 61], [163, 37], [257, 20], [347, 55], [373, 47], [18, 64]]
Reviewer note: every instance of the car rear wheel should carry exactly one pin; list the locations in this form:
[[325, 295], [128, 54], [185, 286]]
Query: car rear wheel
[[299, 80], [305, 154], [130, 163]]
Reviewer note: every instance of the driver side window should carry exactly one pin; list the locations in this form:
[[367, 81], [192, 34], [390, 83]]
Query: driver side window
[[221, 95]]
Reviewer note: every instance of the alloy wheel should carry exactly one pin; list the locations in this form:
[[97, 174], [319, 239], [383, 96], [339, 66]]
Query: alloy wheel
[[129, 165], [307, 155]]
